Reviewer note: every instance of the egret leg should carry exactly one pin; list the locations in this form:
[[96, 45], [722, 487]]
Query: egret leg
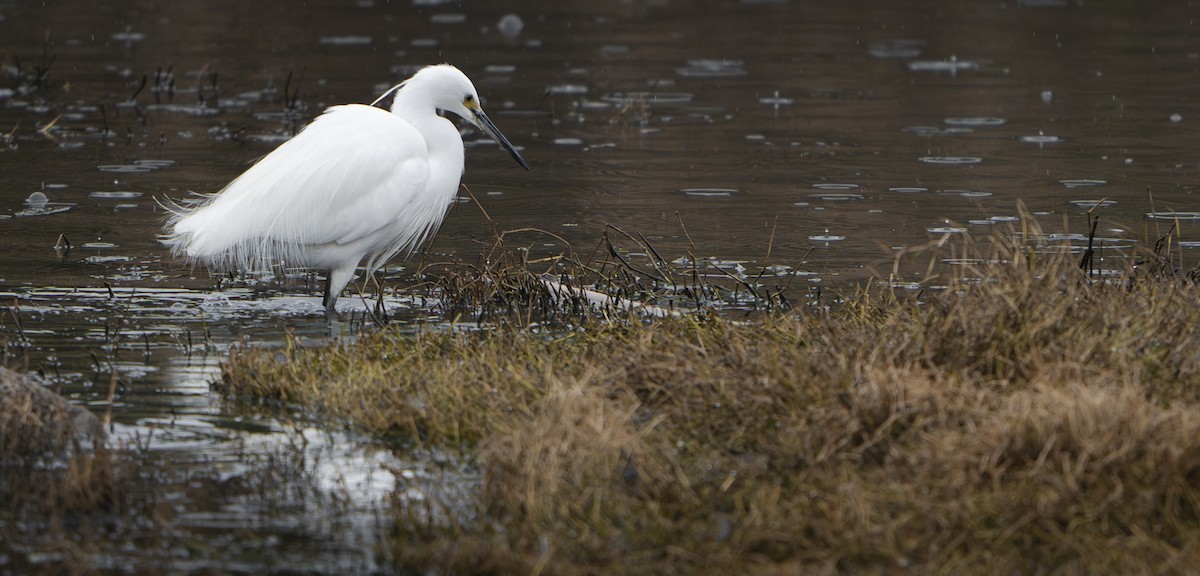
[[335, 281]]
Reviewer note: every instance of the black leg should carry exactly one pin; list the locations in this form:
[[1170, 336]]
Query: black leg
[[330, 298]]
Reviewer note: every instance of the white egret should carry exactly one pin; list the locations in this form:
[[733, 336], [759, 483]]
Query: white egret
[[358, 182]]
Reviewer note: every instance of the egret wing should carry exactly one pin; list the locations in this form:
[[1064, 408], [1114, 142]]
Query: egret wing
[[351, 174]]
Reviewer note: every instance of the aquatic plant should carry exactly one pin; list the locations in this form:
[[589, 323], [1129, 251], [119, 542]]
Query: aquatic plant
[[1027, 418]]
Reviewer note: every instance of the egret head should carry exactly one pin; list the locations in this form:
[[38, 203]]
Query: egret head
[[451, 90]]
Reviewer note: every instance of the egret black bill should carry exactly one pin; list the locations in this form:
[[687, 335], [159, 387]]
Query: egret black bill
[[484, 123]]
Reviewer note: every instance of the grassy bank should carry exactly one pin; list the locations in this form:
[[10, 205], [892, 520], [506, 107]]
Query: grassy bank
[[1027, 421]]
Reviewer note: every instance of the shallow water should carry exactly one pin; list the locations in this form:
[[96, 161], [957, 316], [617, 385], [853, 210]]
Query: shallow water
[[845, 131]]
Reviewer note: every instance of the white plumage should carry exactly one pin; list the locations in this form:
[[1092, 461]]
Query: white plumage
[[358, 182]]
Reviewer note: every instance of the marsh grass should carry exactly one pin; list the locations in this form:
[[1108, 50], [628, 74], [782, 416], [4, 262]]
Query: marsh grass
[[509, 284], [1028, 418]]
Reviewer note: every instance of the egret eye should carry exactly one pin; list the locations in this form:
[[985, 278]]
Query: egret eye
[[468, 99]]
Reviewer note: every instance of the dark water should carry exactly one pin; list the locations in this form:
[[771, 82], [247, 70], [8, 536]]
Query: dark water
[[852, 129]]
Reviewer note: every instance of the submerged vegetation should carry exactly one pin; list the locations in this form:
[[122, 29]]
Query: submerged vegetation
[[1028, 418]]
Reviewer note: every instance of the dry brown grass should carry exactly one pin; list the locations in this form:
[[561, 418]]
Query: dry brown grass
[[1027, 420]]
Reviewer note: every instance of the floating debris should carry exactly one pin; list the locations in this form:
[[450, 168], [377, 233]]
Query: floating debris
[[776, 100], [568, 89], [114, 195], [836, 197], [952, 65], [188, 109], [1170, 215], [1040, 139], [930, 131], [709, 192], [1066, 237], [38, 204], [1082, 183], [448, 18], [713, 68], [155, 164], [896, 48], [975, 121], [1089, 204], [648, 97], [137, 166], [106, 259], [346, 40], [951, 159], [128, 36], [827, 237]]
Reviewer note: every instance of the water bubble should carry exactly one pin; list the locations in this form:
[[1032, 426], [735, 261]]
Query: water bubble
[[424, 43], [907, 189], [37, 199], [834, 186], [1176, 118], [1047, 96], [499, 68], [568, 141], [946, 230], [510, 25]]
